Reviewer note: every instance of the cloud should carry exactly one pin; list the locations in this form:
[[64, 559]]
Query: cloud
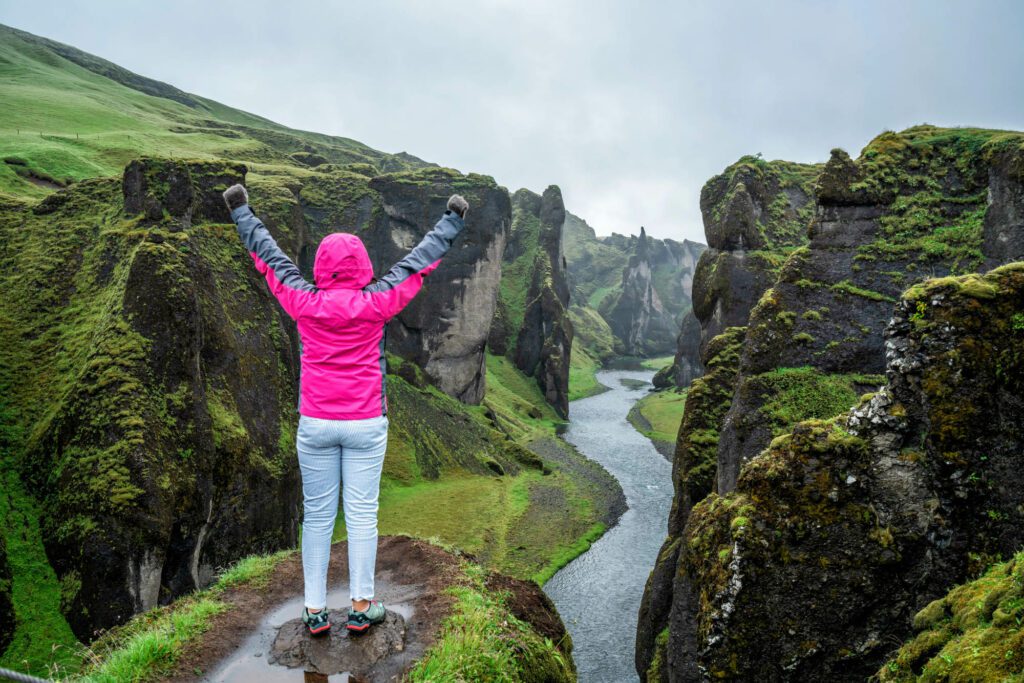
[[629, 107]]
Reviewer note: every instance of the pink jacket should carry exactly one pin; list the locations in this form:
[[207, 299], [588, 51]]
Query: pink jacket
[[341, 318]]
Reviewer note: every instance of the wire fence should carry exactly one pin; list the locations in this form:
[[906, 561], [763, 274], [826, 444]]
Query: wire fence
[[23, 678]]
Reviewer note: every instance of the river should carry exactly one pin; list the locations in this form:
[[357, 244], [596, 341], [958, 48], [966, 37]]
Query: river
[[598, 593]]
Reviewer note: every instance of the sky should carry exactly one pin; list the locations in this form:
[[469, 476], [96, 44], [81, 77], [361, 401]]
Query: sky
[[629, 107]]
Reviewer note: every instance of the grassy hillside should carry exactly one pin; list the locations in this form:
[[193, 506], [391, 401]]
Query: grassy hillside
[[65, 120]]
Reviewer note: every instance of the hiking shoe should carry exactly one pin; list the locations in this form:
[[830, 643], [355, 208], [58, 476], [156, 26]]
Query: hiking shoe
[[358, 622], [317, 623]]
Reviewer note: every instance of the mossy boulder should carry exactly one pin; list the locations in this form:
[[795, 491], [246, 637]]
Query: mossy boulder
[[971, 633], [841, 531]]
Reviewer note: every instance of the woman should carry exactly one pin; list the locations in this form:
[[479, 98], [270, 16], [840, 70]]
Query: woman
[[343, 424]]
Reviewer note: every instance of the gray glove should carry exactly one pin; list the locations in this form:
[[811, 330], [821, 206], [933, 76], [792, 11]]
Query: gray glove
[[458, 205], [235, 196]]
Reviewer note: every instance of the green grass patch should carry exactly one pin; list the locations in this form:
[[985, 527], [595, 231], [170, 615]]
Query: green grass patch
[[517, 401], [482, 641], [663, 411], [657, 363], [148, 646], [43, 641], [583, 374], [796, 394]]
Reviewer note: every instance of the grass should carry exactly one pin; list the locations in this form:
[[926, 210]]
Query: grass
[[657, 363], [43, 641], [583, 374], [67, 123], [482, 641], [663, 410], [149, 645], [517, 401], [796, 394]]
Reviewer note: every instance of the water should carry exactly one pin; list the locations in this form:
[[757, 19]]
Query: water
[[598, 594], [250, 662]]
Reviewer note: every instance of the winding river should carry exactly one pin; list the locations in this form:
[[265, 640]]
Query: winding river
[[598, 594]]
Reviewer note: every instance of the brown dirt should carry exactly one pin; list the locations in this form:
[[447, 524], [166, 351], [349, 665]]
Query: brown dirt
[[410, 561]]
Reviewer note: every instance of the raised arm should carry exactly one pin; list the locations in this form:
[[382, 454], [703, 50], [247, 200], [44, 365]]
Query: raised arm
[[392, 292], [283, 276]]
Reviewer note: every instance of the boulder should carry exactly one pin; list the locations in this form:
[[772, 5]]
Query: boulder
[[338, 651]]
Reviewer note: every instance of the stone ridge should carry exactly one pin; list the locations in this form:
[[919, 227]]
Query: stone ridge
[[922, 202], [842, 530]]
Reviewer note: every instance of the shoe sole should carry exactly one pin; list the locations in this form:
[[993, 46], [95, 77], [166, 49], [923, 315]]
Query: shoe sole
[[320, 629]]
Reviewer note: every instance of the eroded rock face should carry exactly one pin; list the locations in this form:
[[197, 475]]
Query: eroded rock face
[[531, 324], [754, 213], [165, 449], [544, 342], [638, 317], [778, 573], [875, 232], [839, 533], [445, 328]]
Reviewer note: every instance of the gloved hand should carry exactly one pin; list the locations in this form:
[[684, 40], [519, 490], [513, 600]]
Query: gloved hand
[[458, 205], [235, 196]]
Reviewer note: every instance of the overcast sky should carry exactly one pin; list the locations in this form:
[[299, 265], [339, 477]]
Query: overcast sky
[[628, 106]]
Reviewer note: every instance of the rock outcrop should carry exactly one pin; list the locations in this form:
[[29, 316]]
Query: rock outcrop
[[532, 324], [165, 386], [817, 592], [444, 329], [637, 316], [686, 364], [643, 298], [842, 530], [754, 212], [916, 204]]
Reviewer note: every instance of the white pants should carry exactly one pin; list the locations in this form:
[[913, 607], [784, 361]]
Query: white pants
[[345, 454]]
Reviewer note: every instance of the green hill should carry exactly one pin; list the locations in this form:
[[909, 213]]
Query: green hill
[[69, 115]]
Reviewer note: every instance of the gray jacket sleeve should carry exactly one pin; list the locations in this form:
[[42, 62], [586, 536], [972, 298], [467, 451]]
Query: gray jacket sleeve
[[434, 245]]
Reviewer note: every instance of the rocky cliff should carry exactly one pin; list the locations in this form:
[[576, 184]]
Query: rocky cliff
[[755, 213], [637, 316], [842, 530], [532, 324], [914, 204], [163, 440], [641, 286]]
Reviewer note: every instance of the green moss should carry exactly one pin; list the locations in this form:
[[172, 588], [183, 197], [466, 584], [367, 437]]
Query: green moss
[[973, 633], [792, 395], [846, 287]]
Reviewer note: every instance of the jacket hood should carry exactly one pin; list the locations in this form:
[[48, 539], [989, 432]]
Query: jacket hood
[[342, 263]]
